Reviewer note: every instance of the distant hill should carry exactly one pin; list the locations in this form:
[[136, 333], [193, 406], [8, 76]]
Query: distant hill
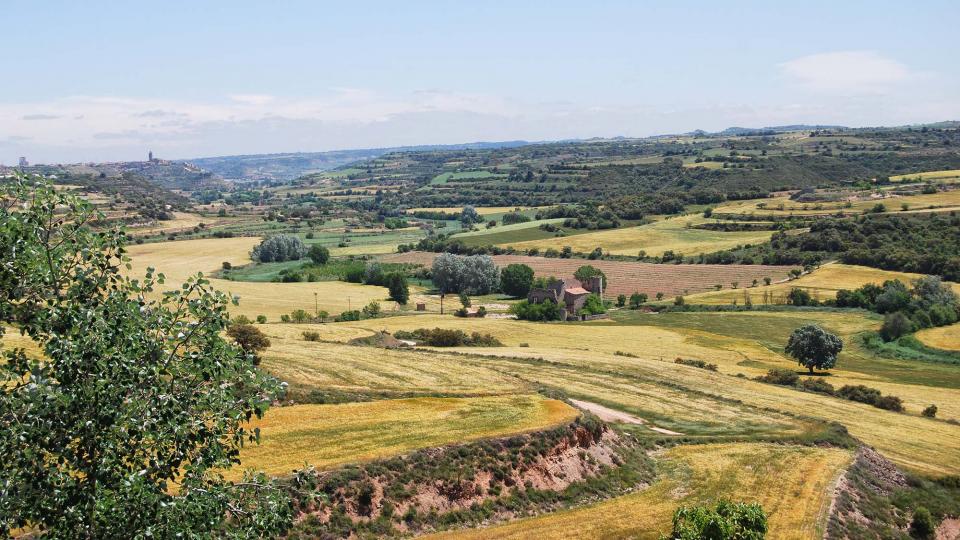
[[288, 166]]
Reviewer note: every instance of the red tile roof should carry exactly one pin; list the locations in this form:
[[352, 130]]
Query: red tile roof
[[576, 290]]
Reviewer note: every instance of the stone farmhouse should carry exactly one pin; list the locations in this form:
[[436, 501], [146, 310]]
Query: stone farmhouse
[[570, 294]]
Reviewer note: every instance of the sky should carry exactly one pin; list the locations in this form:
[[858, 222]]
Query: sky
[[108, 81]]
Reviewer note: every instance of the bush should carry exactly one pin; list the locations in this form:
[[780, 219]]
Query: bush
[[373, 274], [621, 300], [250, 339], [819, 386], [860, 393], [372, 309], [345, 316], [226, 265], [515, 217], [890, 403], [318, 254], [785, 377], [922, 526], [930, 412], [799, 297], [443, 337], [895, 325], [593, 305], [283, 247], [311, 336], [696, 363], [516, 280], [261, 319], [546, 311], [637, 299], [727, 521]]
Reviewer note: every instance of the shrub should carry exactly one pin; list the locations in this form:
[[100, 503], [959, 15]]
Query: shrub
[[373, 274], [819, 386], [696, 363], [728, 521], [678, 301], [250, 339], [860, 393], [372, 309], [516, 280], [785, 377], [299, 316], [922, 526], [637, 299], [261, 319], [345, 316], [593, 305], [515, 217], [895, 325], [226, 265], [311, 336], [546, 311], [799, 297], [621, 300], [930, 412], [318, 254], [283, 247], [890, 403], [444, 337], [240, 319]]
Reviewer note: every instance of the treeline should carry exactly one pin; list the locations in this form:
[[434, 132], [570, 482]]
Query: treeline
[[923, 244]]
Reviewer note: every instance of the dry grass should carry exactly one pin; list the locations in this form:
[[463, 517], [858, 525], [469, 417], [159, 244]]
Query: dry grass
[[180, 221], [946, 338], [325, 436], [180, 260], [822, 284], [793, 484], [310, 365], [673, 234]]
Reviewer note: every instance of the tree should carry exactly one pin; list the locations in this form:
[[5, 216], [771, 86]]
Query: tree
[[587, 271], [593, 305], [637, 299], [621, 300], [476, 274], [799, 297], [397, 285], [279, 248], [300, 316], [135, 392], [814, 347], [895, 325], [373, 274], [469, 216], [318, 254], [516, 280], [930, 411], [372, 309], [250, 339], [465, 300], [659, 296], [322, 315]]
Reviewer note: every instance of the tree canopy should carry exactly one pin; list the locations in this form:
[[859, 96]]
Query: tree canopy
[[118, 429], [814, 347]]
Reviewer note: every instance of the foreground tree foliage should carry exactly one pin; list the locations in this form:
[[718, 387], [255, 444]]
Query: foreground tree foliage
[[118, 431]]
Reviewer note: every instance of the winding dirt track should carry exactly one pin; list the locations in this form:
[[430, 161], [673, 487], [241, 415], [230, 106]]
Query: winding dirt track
[[612, 415]]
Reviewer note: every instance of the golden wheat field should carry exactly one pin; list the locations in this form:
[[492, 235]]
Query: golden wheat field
[[953, 174], [672, 234], [783, 206], [822, 284], [324, 436], [482, 210], [946, 338], [793, 484], [180, 260]]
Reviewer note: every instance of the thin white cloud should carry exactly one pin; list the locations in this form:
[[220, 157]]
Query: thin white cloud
[[847, 72], [252, 99]]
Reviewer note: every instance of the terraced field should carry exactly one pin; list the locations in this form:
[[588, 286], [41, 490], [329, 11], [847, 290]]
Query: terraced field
[[180, 260], [822, 284], [793, 484], [946, 338], [325, 436], [673, 234], [784, 207], [628, 277]]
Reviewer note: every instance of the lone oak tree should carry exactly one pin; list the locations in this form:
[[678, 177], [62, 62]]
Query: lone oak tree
[[118, 428], [814, 347]]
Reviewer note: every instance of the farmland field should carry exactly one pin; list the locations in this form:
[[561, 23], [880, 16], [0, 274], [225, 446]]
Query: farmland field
[[325, 436], [940, 201], [674, 234], [822, 284], [945, 337], [180, 260], [793, 484], [940, 176], [628, 277]]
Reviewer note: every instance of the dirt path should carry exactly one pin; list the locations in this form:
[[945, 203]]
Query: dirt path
[[949, 529], [612, 415]]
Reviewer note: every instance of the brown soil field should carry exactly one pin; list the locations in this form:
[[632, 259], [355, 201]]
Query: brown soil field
[[627, 277]]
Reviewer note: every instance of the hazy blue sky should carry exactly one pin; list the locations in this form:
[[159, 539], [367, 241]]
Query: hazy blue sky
[[92, 81]]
